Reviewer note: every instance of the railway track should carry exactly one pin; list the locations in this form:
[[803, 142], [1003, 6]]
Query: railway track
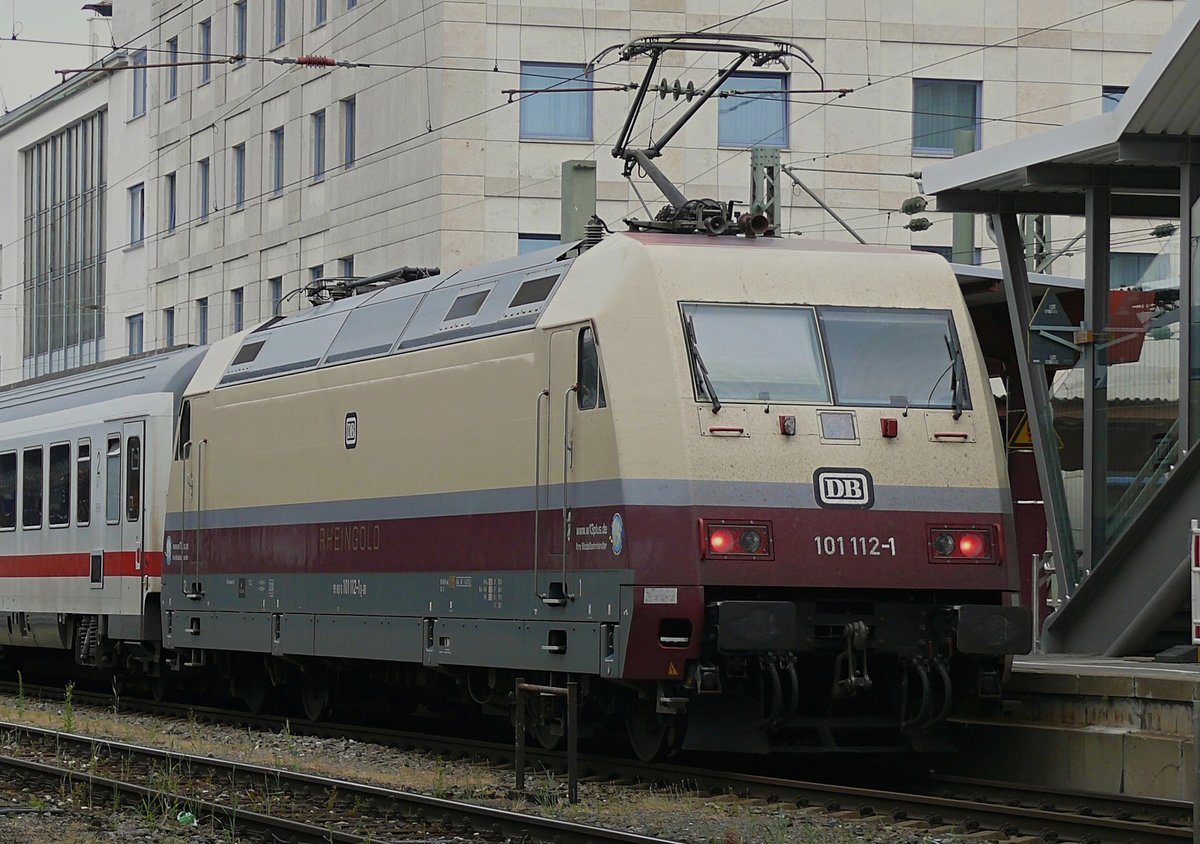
[[274, 803], [928, 803]]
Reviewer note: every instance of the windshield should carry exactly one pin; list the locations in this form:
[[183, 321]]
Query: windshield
[[892, 357], [755, 353], [879, 357]]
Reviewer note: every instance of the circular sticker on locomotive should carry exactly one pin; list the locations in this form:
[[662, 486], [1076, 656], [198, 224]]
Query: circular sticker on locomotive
[[617, 535]]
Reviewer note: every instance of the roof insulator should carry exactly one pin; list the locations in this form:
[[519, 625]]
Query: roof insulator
[[918, 224], [914, 205], [1164, 230], [316, 61]]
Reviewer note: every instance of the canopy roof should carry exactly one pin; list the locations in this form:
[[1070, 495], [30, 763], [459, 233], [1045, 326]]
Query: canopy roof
[[1136, 149]]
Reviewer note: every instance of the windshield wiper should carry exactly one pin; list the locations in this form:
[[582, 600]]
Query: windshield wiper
[[955, 380], [698, 362]]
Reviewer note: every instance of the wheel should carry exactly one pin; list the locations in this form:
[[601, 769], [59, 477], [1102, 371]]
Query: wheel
[[316, 694], [648, 731], [254, 688], [544, 735], [158, 688]]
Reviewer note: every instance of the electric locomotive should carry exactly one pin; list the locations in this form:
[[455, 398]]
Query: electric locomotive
[[750, 492]]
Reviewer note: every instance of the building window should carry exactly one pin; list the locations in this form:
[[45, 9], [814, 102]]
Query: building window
[[348, 266], [280, 22], [238, 301], [942, 107], [205, 50], [202, 321], [758, 118], [1110, 96], [137, 214], [277, 161], [1130, 269], [350, 4], [318, 136], [173, 70], [239, 176], [202, 188], [138, 94], [315, 274], [239, 30], [169, 191], [134, 325], [556, 116], [320, 13], [349, 107], [275, 292], [168, 327], [533, 242], [64, 181]]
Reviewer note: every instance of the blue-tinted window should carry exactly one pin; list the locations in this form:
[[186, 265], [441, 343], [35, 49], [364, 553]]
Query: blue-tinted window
[[1110, 96], [321, 12], [1128, 269], [534, 242], [318, 138], [168, 327], [239, 29], [137, 214], [170, 200], [137, 99], [202, 188], [135, 334], [202, 321], [173, 70], [238, 300], [947, 252], [239, 175], [280, 22], [349, 113], [275, 291], [941, 107], [205, 49], [277, 161], [758, 118], [556, 115]]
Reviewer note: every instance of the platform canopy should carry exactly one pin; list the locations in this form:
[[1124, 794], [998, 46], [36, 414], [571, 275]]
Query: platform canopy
[[1135, 149]]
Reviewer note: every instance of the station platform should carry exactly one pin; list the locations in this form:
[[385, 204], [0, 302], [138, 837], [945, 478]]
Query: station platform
[[1120, 726]]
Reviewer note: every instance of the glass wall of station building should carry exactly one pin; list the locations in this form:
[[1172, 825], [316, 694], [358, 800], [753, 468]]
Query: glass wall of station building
[[64, 203], [1138, 365]]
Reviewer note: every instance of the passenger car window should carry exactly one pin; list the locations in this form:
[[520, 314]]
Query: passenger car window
[[83, 483], [8, 490], [112, 480], [60, 485], [31, 488], [133, 478]]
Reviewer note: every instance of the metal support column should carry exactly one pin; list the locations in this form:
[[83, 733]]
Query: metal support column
[[578, 199], [764, 185], [963, 248], [1189, 230], [1037, 399], [1098, 224]]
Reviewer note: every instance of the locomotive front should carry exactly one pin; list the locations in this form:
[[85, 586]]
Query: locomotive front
[[833, 568]]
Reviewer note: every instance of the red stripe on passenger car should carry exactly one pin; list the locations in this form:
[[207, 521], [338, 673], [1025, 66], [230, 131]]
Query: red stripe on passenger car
[[78, 564]]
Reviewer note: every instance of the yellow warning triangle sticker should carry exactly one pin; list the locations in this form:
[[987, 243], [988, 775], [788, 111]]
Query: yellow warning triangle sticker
[[672, 671], [1022, 437]]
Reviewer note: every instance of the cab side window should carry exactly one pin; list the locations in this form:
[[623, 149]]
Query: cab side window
[[591, 384]]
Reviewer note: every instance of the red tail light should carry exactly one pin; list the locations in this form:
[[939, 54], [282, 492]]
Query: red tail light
[[962, 545], [727, 540]]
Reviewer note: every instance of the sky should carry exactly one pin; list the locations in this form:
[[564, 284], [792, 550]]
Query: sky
[[27, 69]]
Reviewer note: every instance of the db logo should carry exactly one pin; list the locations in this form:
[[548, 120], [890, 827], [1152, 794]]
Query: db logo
[[844, 488]]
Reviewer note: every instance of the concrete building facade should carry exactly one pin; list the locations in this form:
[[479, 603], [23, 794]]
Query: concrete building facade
[[233, 182]]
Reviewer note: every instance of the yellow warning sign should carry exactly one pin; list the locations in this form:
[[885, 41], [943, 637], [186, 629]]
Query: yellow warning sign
[[672, 671], [1021, 438]]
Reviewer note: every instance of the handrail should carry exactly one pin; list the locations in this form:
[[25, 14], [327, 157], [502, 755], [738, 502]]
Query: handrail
[[537, 485], [566, 510]]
